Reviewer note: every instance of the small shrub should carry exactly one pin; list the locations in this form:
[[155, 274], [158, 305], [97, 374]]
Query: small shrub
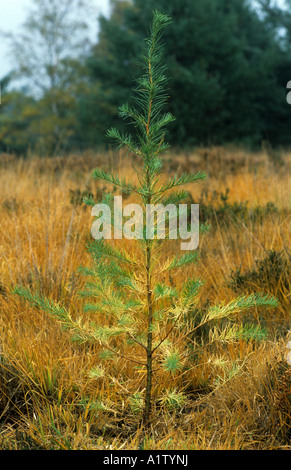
[[272, 273], [215, 207]]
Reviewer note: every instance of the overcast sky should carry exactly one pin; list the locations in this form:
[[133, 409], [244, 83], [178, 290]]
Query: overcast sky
[[14, 12]]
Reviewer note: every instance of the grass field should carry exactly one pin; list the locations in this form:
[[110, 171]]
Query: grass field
[[239, 393]]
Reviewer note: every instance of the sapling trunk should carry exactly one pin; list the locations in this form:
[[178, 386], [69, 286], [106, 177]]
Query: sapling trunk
[[148, 392], [149, 366]]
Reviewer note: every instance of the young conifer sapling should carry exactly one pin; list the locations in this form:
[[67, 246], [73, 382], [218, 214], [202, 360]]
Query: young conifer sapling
[[140, 315]]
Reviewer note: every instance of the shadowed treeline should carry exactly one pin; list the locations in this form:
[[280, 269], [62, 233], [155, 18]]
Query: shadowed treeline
[[228, 65]]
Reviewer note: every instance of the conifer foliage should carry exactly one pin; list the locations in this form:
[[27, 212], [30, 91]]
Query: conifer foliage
[[141, 315]]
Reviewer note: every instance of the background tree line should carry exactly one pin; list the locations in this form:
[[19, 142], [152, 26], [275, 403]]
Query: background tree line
[[228, 65]]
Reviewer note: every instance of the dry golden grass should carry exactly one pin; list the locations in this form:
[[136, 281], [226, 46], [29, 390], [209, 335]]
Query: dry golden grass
[[239, 394]]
